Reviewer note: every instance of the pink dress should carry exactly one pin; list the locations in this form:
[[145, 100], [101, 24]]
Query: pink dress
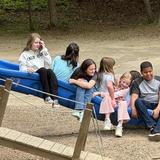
[[106, 105]]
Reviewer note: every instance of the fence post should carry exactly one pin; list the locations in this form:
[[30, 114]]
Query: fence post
[[82, 136], [4, 98]]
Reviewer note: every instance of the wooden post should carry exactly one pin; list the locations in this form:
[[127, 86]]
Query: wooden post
[[80, 144], [8, 84], [4, 98], [90, 107]]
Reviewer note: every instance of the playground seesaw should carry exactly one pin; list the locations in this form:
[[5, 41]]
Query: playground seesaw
[[30, 84]]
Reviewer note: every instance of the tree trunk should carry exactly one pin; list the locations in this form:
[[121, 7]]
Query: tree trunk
[[31, 28], [149, 10], [52, 13], [159, 20]]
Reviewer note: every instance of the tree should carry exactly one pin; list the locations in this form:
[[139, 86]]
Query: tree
[[52, 13], [149, 10], [30, 16]]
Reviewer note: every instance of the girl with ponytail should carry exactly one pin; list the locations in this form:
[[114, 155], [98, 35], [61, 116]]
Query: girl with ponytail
[[63, 66]]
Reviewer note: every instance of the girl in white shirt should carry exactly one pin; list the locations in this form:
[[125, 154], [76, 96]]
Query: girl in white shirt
[[35, 58]]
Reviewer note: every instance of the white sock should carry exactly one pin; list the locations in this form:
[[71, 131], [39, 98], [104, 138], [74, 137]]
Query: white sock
[[107, 119], [119, 124]]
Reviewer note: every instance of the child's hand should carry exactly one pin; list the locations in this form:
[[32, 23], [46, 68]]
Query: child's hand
[[96, 94], [30, 70], [42, 45], [71, 81], [134, 113], [156, 113]]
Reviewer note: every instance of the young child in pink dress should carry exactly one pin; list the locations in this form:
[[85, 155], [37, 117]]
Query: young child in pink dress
[[113, 96], [120, 95]]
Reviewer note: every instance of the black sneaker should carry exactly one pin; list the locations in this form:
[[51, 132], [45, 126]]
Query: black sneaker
[[154, 136]]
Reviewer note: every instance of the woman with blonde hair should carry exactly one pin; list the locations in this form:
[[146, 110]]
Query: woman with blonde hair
[[35, 58]]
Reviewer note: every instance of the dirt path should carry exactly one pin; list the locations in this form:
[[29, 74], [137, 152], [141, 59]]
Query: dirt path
[[129, 46]]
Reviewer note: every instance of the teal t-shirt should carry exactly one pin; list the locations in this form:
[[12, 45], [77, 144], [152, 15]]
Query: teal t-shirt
[[62, 70]]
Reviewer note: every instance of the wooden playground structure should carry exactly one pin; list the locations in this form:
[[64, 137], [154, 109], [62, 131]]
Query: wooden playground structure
[[41, 147]]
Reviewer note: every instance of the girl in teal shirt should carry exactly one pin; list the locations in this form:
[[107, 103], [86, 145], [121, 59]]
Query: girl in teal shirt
[[63, 66]]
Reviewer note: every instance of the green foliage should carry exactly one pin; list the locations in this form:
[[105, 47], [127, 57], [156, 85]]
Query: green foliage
[[39, 4], [22, 4], [12, 4], [13, 14], [63, 11], [62, 4], [63, 23], [36, 4]]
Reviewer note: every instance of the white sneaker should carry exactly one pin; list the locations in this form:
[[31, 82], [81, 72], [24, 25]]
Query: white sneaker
[[76, 113], [108, 125], [81, 116], [119, 130], [48, 100], [55, 104]]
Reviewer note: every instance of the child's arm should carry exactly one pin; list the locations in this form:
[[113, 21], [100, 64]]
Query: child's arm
[[156, 111], [134, 96], [111, 92], [116, 83], [101, 94], [121, 93]]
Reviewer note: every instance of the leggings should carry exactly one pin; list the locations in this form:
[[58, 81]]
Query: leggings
[[49, 82]]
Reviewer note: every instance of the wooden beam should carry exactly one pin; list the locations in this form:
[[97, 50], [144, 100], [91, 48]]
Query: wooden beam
[[82, 136], [31, 144], [41, 147], [32, 150]]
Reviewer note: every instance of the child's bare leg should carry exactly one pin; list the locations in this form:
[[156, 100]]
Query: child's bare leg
[[119, 129], [120, 123], [107, 123]]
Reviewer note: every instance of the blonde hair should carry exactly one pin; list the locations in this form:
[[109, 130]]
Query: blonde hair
[[126, 76], [106, 66], [30, 41]]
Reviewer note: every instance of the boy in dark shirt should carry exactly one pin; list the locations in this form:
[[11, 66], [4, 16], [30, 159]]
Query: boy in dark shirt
[[145, 95]]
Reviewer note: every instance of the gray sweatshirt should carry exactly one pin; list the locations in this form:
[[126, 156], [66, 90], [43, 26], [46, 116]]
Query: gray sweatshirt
[[35, 60]]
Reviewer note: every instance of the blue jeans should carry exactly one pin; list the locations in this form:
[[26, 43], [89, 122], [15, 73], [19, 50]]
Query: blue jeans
[[83, 96], [142, 107]]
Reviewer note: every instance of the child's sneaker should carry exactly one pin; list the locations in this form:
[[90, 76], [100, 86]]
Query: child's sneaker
[[48, 100], [154, 136], [55, 104], [108, 125], [81, 116], [76, 113], [119, 131]]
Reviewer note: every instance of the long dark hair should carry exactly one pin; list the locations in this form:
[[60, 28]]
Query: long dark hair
[[135, 74], [84, 66], [71, 55]]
